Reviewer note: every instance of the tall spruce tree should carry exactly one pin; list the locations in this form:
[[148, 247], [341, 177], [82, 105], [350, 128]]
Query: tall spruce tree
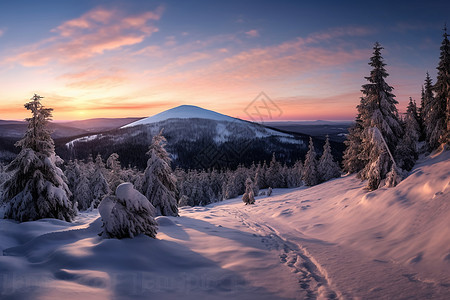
[[421, 114], [159, 185], [377, 109], [310, 174], [273, 175], [440, 108], [37, 187], [407, 149], [426, 110]]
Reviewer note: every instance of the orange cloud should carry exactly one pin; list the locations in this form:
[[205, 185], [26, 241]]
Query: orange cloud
[[93, 78], [94, 33]]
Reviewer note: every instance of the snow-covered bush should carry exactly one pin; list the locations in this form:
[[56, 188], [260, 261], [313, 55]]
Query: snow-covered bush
[[127, 214], [248, 197]]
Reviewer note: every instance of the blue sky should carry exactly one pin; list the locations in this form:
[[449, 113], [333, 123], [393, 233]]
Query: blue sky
[[137, 58]]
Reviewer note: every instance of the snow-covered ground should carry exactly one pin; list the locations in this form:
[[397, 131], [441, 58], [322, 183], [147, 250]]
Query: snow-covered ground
[[334, 240]]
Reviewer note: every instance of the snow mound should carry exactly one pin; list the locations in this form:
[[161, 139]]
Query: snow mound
[[183, 112], [127, 214], [335, 240], [164, 221]]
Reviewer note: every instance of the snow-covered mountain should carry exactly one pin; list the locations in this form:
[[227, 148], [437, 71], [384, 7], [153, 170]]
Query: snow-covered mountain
[[183, 112], [194, 134]]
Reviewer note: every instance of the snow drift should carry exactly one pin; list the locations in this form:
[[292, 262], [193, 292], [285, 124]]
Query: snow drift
[[333, 240]]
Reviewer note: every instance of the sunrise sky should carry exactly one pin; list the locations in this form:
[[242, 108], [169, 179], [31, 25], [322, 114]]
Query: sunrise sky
[[136, 58]]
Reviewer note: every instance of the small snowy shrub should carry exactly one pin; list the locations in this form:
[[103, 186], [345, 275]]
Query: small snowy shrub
[[248, 197], [127, 214]]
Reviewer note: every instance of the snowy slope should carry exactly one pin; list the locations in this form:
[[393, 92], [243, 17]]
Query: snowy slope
[[183, 112], [334, 240]]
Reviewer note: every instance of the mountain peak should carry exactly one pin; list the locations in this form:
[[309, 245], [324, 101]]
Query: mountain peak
[[182, 112]]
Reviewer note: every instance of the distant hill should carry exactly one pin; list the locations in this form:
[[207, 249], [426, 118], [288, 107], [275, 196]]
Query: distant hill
[[197, 138], [337, 131], [11, 131], [183, 112], [100, 124]]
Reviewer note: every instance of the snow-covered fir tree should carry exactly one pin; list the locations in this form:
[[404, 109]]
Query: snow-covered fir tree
[[159, 185], [185, 201], [352, 162], [297, 171], [236, 182], [273, 174], [328, 168], [261, 175], [115, 171], [83, 194], [382, 162], [127, 214], [231, 188], [421, 113], [440, 107], [258, 179], [73, 174], [37, 187], [4, 176], [407, 149], [310, 173], [89, 166], [99, 187], [425, 110], [378, 110], [249, 196], [98, 183]]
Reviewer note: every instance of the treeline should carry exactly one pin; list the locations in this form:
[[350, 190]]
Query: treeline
[[382, 146], [90, 180]]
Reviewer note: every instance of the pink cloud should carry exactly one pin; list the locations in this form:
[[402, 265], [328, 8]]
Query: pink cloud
[[297, 66], [93, 33], [252, 33]]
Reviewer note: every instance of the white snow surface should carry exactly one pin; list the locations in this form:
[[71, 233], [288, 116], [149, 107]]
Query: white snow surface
[[333, 240], [82, 139], [183, 112]]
